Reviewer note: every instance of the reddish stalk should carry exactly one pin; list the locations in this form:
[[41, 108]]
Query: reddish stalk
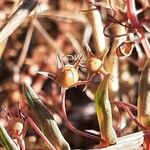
[[136, 24], [31, 122], [132, 116], [69, 125], [22, 144], [120, 103]]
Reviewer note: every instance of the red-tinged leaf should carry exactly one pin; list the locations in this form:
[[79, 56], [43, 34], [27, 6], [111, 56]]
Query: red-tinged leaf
[[125, 49], [45, 118]]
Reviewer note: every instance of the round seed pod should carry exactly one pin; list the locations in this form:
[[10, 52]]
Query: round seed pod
[[93, 64], [67, 76]]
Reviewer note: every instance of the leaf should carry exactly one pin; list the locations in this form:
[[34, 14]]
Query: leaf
[[48, 125], [17, 18], [129, 142], [104, 114], [143, 101], [125, 49], [6, 140]]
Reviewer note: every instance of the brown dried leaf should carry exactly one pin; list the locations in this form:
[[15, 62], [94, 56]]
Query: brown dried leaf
[[125, 49]]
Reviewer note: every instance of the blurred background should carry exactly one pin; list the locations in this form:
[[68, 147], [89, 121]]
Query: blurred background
[[61, 26]]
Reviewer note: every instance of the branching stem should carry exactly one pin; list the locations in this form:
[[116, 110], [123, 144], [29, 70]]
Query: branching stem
[[69, 125], [134, 21]]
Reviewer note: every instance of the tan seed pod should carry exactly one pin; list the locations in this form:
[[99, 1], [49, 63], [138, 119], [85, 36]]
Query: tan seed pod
[[93, 64], [67, 76]]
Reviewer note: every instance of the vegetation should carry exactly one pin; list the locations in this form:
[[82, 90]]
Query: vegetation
[[74, 74]]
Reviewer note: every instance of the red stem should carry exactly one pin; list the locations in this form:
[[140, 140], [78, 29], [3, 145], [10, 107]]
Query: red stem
[[69, 125], [22, 144], [132, 116], [117, 102], [134, 21], [40, 133]]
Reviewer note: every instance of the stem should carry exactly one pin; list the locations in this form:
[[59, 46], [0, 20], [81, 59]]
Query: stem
[[49, 39], [89, 78], [120, 103], [134, 20], [22, 144], [17, 18], [40, 133], [69, 125], [132, 116], [97, 25], [25, 46]]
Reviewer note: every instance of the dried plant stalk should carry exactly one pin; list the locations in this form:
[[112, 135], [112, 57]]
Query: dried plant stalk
[[64, 16], [17, 18], [49, 39], [112, 64], [97, 26], [2, 47], [25, 46]]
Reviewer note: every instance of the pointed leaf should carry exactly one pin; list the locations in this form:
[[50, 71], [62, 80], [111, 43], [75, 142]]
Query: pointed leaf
[[45, 118], [104, 113], [6, 140]]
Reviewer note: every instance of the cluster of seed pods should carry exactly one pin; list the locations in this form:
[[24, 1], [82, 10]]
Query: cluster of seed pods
[[67, 76]]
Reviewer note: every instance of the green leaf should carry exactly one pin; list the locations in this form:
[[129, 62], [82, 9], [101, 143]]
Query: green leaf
[[48, 125], [104, 113], [143, 101], [6, 140]]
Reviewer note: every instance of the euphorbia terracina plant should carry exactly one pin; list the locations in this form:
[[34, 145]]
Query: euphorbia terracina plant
[[110, 41]]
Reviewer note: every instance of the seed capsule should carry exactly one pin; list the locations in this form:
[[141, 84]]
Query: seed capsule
[[93, 64], [67, 76]]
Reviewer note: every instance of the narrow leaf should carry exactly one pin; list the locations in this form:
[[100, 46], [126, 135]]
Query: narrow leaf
[[45, 118], [17, 18], [6, 140], [144, 96], [104, 112], [128, 142]]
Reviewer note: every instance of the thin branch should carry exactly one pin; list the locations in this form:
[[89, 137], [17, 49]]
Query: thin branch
[[117, 102], [134, 20], [25, 46], [97, 26], [132, 116], [31, 122], [69, 125], [49, 39]]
